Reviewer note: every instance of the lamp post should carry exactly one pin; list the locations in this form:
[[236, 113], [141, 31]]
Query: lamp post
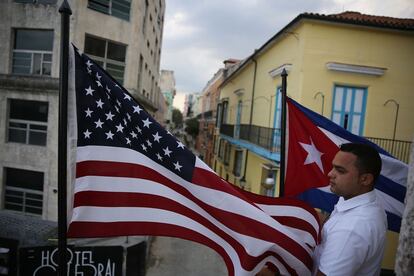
[[323, 99], [395, 121]]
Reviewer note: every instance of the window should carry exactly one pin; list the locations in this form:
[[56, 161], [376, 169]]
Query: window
[[238, 159], [221, 148], [117, 8], [108, 54], [32, 52], [349, 102], [224, 112], [227, 152], [141, 62], [218, 115], [144, 18], [36, 1], [27, 122], [23, 191]]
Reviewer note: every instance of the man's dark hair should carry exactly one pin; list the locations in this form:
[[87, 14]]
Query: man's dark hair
[[368, 158]]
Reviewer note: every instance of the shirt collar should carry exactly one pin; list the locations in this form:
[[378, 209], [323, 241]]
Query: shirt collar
[[344, 205]]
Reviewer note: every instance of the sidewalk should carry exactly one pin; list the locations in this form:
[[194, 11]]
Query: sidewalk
[[172, 256]]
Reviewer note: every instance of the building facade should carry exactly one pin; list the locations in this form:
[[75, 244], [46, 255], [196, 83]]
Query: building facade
[[344, 66], [124, 37], [167, 85], [207, 118]]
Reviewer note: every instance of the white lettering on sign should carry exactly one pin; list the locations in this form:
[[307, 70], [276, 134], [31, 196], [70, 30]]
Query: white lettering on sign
[[81, 261]]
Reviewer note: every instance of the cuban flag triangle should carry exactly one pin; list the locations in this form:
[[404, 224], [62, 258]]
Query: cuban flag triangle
[[312, 142]]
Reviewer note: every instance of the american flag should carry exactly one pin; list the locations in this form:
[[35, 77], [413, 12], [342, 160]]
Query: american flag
[[133, 177]]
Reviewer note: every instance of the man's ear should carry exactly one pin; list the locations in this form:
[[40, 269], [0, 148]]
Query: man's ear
[[366, 179]]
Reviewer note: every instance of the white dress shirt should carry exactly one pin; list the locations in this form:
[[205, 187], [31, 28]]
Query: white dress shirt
[[353, 238]]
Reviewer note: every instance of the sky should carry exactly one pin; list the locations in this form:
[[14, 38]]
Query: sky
[[200, 34]]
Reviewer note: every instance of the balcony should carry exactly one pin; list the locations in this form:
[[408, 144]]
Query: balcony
[[397, 148], [269, 138]]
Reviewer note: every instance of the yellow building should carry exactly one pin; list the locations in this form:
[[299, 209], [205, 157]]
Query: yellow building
[[348, 67]]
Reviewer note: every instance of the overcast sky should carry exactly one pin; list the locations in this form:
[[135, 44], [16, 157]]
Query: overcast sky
[[200, 34]]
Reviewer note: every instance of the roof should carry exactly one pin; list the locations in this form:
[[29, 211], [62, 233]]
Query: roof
[[348, 17], [357, 18], [28, 230]]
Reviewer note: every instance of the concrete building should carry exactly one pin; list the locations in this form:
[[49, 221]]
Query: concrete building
[[167, 85], [346, 65], [124, 37]]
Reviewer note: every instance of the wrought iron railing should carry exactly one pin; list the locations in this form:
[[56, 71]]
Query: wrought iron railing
[[226, 129], [397, 148], [265, 137], [269, 138]]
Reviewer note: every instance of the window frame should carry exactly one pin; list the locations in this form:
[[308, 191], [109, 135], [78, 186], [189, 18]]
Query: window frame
[[33, 54], [28, 128], [104, 61], [26, 195], [99, 6], [349, 92], [237, 168]]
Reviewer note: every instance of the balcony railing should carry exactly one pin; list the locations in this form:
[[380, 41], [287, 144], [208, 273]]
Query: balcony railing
[[397, 148], [268, 138], [227, 130]]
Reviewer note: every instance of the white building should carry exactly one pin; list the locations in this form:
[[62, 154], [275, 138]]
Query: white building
[[123, 36]]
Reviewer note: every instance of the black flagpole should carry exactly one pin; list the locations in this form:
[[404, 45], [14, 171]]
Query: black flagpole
[[65, 12], [283, 136]]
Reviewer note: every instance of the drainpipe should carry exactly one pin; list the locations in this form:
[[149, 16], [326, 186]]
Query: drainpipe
[[251, 115]]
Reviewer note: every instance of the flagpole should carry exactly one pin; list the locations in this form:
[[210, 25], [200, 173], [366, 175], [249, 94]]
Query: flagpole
[[65, 12], [283, 136]]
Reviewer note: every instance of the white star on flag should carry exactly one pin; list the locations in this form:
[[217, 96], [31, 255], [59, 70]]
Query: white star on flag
[[137, 109], [177, 166], [99, 123], [88, 112], [109, 135], [180, 145], [89, 90], [146, 122], [119, 128], [87, 134], [157, 137], [167, 151], [159, 157], [314, 156], [99, 103], [109, 115]]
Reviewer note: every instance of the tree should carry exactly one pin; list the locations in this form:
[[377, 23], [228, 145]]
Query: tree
[[192, 127], [177, 118]]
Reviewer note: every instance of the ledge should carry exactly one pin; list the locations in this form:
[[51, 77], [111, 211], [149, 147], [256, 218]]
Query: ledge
[[358, 69], [28, 82], [277, 71]]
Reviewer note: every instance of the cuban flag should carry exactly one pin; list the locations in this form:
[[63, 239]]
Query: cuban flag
[[312, 142]]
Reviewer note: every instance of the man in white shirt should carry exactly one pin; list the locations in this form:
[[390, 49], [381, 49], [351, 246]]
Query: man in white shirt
[[353, 238]]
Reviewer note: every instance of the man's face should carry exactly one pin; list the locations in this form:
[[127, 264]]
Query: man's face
[[344, 177]]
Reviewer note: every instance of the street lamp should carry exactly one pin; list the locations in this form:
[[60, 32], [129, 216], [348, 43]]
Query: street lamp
[[323, 99], [396, 118]]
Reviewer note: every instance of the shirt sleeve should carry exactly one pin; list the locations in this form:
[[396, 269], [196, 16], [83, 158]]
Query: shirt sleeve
[[343, 253]]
